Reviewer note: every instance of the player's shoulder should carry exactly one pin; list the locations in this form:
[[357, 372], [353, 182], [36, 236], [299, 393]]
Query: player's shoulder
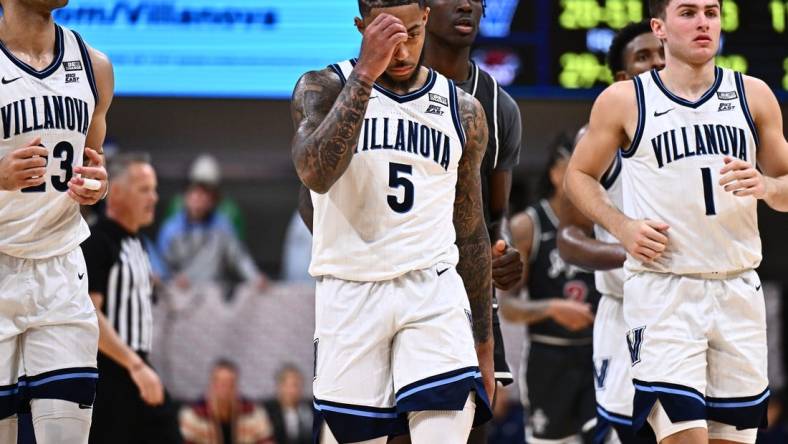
[[521, 226], [616, 102], [755, 88], [319, 78], [473, 119]]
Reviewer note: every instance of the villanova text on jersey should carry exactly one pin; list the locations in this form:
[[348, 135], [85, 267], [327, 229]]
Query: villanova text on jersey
[[671, 173], [405, 135], [45, 113], [699, 140], [391, 211]]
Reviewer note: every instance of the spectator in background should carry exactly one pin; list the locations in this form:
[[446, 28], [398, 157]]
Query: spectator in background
[[205, 169], [297, 251], [131, 405], [290, 413], [199, 244], [223, 417]]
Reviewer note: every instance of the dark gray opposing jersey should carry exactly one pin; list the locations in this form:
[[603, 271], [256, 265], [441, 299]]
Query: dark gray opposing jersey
[[504, 128]]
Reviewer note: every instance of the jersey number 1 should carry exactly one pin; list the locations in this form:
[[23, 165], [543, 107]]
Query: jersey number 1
[[708, 191], [65, 152], [396, 180]]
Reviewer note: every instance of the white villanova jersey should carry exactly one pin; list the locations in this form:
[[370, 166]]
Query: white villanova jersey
[[611, 282], [55, 104], [672, 173], [391, 212]]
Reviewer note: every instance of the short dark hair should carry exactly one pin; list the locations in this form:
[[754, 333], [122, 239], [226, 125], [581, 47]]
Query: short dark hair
[[365, 6], [119, 164], [225, 363], [657, 7], [285, 369], [615, 56], [560, 148]]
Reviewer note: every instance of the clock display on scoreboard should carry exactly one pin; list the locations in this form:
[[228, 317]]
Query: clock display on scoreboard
[[542, 44]]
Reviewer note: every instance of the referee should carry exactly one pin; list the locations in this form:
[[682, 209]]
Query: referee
[[131, 405]]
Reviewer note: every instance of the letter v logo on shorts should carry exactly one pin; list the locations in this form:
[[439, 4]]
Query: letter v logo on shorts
[[600, 373], [634, 342]]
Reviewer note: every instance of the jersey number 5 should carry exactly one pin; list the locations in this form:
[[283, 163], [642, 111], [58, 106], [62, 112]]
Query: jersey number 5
[[65, 152], [396, 180]]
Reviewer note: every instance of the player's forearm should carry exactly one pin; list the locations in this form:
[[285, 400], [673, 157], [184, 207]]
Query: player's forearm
[[305, 208], [578, 248], [111, 345], [588, 195], [777, 193], [324, 155], [475, 267], [525, 312], [499, 229]]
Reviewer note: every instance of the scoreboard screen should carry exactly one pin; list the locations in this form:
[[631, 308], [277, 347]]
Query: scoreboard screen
[[560, 46], [259, 48]]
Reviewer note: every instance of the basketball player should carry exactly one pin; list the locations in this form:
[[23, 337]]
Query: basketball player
[[692, 300], [559, 317], [634, 50], [391, 152], [55, 94]]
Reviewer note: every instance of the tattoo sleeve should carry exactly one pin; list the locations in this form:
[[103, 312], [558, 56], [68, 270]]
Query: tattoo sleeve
[[473, 241], [327, 119]]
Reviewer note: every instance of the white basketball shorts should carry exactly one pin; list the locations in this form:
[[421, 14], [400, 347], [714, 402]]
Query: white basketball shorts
[[48, 331], [698, 345], [383, 349]]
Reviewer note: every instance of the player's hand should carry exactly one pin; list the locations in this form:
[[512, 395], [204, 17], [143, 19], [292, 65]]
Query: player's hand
[[507, 268], [381, 39], [572, 315], [149, 384], [646, 240], [24, 167], [742, 178], [485, 352], [76, 186]]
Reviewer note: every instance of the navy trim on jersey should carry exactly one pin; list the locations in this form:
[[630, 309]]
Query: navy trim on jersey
[[338, 70], [611, 175], [83, 49], [353, 423], [684, 102], [8, 400], [745, 413], [605, 420], [455, 112], [446, 391], [681, 403], [640, 96], [71, 384], [46, 72], [746, 108], [431, 77]]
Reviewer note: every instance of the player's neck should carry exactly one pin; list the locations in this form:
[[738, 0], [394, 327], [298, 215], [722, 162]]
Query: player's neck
[[452, 62], [124, 222], [686, 80], [27, 31], [415, 82]]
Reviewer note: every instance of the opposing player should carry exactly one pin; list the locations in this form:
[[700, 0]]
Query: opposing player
[[634, 50], [559, 316], [55, 95], [692, 300], [391, 152], [451, 31]]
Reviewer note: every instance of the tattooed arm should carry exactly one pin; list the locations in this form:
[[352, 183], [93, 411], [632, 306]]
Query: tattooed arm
[[327, 118], [473, 240]]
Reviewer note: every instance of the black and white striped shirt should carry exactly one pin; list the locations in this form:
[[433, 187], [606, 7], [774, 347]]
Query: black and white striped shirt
[[119, 269]]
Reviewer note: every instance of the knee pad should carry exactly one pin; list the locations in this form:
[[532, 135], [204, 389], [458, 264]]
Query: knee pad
[[444, 426], [59, 421]]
